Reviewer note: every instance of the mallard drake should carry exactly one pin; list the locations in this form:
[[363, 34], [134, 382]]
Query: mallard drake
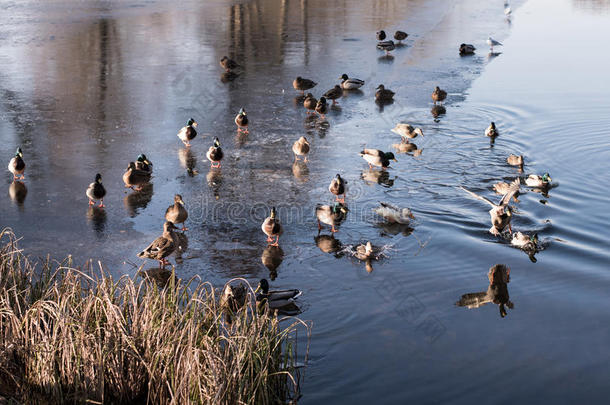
[[375, 157], [321, 107], [492, 42], [337, 187], [300, 147], [383, 94], [394, 214], [400, 36], [272, 228], [134, 177], [331, 215], [241, 120], [302, 84], [386, 46], [143, 164], [407, 131], [438, 95], [525, 242], [96, 191], [177, 213], [310, 103], [17, 166], [280, 300], [334, 93], [467, 49], [491, 130], [215, 154], [228, 64], [350, 83], [515, 160], [380, 35], [188, 133], [500, 213], [534, 180], [161, 247]]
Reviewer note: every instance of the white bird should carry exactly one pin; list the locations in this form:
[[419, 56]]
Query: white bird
[[492, 42], [507, 10]]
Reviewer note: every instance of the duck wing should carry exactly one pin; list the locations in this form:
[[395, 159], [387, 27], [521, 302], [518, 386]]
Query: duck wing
[[158, 249], [478, 197], [512, 190]]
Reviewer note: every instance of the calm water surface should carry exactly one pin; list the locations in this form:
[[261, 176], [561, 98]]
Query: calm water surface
[[87, 86]]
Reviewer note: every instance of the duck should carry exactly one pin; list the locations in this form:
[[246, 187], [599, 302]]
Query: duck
[[515, 160], [386, 46], [161, 247], [491, 130], [241, 120], [365, 251], [321, 107], [228, 64], [300, 147], [400, 36], [134, 177], [337, 187], [492, 42], [142, 163], [177, 213], [467, 49], [348, 83], [383, 94], [525, 242], [393, 214], [407, 131], [96, 191], [232, 299], [438, 95], [500, 213], [215, 154], [310, 103], [534, 180], [281, 300], [334, 93], [272, 228], [375, 157], [302, 84], [380, 35], [188, 133], [331, 215], [17, 165], [503, 188]]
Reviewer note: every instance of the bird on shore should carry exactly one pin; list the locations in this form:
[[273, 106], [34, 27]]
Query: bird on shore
[[400, 36], [407, 131], [215, 154], [310, 103], [375, 157], [272, 228], [438, 95], [491, 130], [337, 187], [383, 94], [467, 49], [17, 165], [534, 180], [380, 35], [393, 214], [143, 164], [331, 215], [282, 301], [492, 42], [500, 213], [348, 83], [228, 64], [134, 177], [161, 247], [334, 93], [302, 84], [300, 147], [177, 213], [241, 120], [96, 191], [188, 132], [322, 107], [386, 46]]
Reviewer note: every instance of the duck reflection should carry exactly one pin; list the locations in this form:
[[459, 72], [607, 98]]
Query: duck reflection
[[407, 147], [438, 110], [354, 93], [272, 257], [182, 242], [329, 244], [97, 217], [300, 171], [497, 292], [298, 100], [18, 191], [139, 199], [160, 276], [393, 229], [381, 104], [227, 77], [386, 59], [187, 160], [214, 180], [382, 177], [492, 55], [322, 125]]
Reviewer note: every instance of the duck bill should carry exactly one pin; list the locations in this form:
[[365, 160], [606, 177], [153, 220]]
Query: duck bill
[[257, 289], [395, 160], [195, 124]]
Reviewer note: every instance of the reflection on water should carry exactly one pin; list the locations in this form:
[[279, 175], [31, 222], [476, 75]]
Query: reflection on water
[[18, 191], [497, 292], [97, 217], [272, 257], [187, 160], [329, 244], [377, 176], [138, 200], [438, 110], [300, 171]]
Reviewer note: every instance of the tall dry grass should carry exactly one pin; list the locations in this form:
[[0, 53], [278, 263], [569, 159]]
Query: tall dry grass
[[73, 335]]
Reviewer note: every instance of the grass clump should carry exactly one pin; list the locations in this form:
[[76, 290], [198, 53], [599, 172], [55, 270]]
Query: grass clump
[[80, 336]]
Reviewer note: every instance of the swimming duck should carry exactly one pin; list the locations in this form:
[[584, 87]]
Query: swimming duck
[[491, 130], [503, 188], [177, 213], [272, 228], [380, 35], [302, 84], [322, 107], [467, 49], [215, 154], [525, 242], [300, 147], [534, 180], [337, 187], [407, 131], [438, 95], [280, 300], [228, 64], [492, 42], [515, 160], [310, 103], [241, 120], [334, 93], [394, 214], [375, 157], [400, 36], [383, 94], [142, 163], [386, 46], [96, 191], [365, 251], [188, 133], [331, 215], [161, 247], [500, 213], [350, 83], [134, 177], [17, 166]]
